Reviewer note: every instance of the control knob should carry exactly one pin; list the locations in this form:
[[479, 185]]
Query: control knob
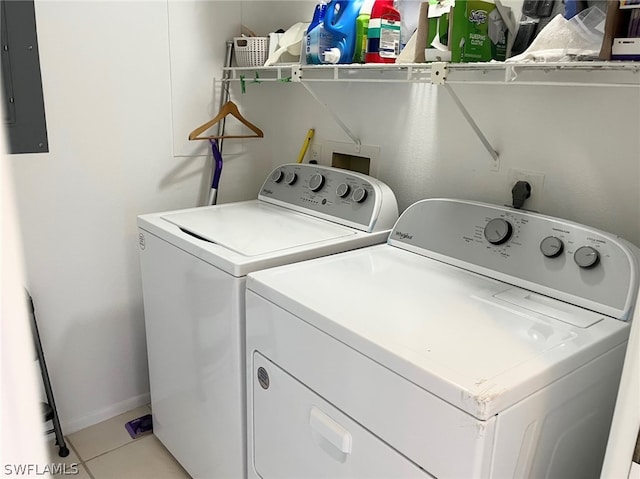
[[359, 194], [586, 257], [551, 246], [498, 231], [291, 178], [277, 176], [316, 182], [343, 190]]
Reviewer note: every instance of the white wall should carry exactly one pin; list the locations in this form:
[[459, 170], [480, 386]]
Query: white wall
[[124, 83], [21, 438], [583, 139], [107, 77]]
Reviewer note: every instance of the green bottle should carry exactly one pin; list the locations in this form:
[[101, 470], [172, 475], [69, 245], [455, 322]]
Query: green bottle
[[362, 26]]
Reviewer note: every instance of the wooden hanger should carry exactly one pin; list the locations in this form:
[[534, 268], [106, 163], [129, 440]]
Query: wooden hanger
[[228, 108]]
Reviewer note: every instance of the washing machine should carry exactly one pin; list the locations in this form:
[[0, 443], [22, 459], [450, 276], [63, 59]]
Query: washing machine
[[194, 264], [478, 342]]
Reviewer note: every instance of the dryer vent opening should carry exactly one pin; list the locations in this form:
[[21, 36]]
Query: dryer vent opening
[[360, 164]]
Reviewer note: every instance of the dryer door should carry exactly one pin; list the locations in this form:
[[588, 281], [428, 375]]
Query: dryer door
[[298, 434]]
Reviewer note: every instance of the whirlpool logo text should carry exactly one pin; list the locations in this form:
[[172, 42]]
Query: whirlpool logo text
[[402, 235]]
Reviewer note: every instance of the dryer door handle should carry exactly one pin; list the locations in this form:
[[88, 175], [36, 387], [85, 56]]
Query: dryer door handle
[[330, 430]]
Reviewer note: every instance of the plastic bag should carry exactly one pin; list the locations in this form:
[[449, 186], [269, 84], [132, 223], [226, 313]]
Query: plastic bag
[[579, 38]]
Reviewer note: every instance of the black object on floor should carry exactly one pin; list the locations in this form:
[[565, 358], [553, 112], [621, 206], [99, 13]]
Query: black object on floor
[[49, 411]]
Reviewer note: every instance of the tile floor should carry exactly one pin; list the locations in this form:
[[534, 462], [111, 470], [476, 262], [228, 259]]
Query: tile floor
[[106, 451]]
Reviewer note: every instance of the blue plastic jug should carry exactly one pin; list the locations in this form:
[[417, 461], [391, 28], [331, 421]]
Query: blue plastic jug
[[318, 15], [317, 39], [340, 21]]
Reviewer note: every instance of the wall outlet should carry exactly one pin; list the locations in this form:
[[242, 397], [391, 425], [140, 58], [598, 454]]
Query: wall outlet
[[315, 153], [536, 180]]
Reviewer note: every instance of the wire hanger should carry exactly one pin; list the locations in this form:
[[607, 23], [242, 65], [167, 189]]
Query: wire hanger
[[229, 108]]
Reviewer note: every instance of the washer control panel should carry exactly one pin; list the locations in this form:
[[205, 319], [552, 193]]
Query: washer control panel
[[558, 258], [339, 195]]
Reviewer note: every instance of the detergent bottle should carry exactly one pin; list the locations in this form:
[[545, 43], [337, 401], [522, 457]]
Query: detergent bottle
[[318, 39], [340, 20], [362, 27], [383, 35]]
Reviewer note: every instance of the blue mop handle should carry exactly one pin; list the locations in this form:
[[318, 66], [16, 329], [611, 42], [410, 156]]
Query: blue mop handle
[[217, 171]]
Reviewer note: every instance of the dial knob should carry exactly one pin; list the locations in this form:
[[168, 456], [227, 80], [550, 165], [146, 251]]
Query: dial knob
[[316, 182], [551, 246], [343, 190], [359, 194], [277, 176], [498, 231], [291, 178], [586, 257]]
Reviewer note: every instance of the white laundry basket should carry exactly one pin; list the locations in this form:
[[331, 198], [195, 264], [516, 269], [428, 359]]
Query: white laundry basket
[[251, 51]]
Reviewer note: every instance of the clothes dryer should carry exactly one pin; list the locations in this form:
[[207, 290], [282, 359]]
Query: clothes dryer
[[479, 342], [194, 264], [622, 459]]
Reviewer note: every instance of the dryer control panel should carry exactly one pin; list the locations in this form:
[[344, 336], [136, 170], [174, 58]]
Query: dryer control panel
[[343, 196], [557, 258]]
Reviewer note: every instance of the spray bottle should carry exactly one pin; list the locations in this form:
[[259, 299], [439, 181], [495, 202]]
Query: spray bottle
[[383, 36]]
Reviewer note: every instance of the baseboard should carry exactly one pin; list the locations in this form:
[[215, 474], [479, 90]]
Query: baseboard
[[106, 413]]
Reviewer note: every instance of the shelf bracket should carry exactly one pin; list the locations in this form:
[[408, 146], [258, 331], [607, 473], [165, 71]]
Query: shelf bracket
[[439, 72], [350, 134], [296, 74], [495, 166]]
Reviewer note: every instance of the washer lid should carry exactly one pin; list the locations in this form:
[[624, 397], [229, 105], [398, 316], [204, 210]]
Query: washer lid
[[256, 228], [443, 328]]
